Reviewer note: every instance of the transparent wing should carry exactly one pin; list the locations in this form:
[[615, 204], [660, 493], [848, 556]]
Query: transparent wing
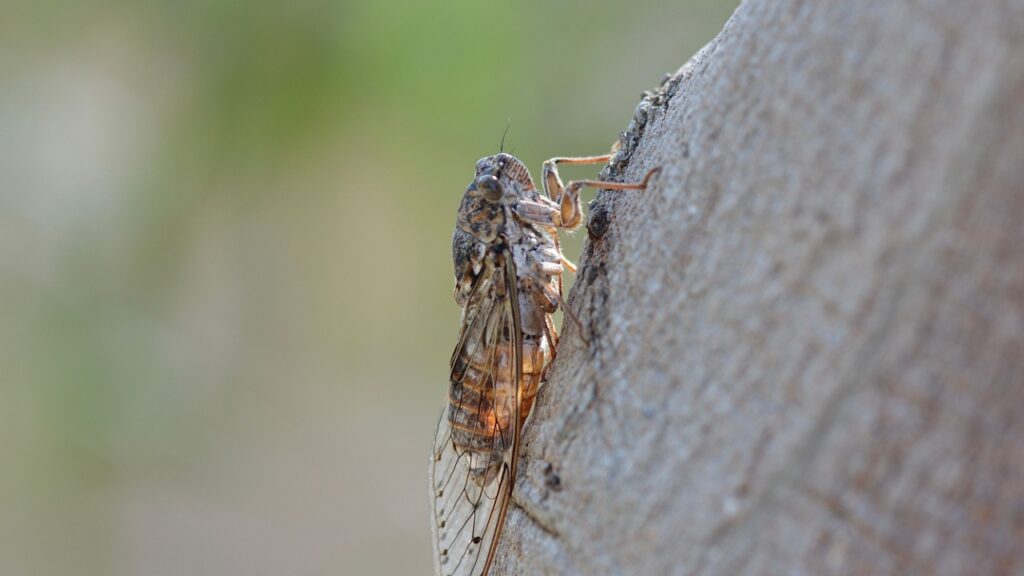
[[471, 485]]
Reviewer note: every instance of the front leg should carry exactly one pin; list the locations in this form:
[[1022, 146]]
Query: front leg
[[567, 196], [543, 213]]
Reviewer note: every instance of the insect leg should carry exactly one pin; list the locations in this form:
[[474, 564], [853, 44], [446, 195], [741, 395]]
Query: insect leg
[[553, 183], [569, 313], [549, 300], [544, 213], [541, 294], [569, 196], [552, 335], [555, 190]]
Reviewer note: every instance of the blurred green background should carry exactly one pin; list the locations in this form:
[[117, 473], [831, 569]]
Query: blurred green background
[[225, 274]]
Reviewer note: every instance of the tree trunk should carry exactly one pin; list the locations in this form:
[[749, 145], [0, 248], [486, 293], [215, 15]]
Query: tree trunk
[[806, 337]]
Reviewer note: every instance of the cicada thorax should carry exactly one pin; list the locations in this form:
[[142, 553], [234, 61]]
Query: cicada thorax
[[483, 396], [513, 169]]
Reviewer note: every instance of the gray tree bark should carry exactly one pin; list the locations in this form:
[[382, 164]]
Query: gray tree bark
[[806, 338]]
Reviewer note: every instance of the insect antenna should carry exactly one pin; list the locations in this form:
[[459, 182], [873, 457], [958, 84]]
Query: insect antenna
[[503, 134]]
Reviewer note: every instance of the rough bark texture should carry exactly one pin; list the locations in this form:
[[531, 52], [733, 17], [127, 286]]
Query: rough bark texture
[[806, 344]]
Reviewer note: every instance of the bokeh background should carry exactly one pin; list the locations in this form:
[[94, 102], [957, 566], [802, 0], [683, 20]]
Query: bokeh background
[[225, 277]]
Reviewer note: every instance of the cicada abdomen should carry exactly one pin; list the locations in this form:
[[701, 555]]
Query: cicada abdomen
[[496, 370], [482, 395]]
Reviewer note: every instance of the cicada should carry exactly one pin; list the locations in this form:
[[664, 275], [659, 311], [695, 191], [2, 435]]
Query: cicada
[[508, 281]]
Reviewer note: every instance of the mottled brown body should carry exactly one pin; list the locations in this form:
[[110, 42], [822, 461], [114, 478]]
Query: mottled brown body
[[483, 392], [508, 281], [479, 403]]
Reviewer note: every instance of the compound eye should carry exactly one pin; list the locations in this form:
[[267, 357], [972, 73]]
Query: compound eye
[[489, 187]]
